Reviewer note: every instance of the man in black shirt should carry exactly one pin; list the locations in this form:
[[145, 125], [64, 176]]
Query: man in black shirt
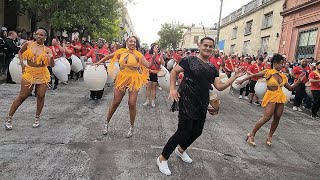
[[3, 35], [10, 49]]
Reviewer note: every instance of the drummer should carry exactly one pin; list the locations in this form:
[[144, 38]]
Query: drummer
[[245, 65], [57, 52], [314, 79], [68, 51], [157, 58], [253, 69]]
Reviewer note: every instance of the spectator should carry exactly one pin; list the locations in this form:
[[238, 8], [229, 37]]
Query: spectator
[[11, 49]]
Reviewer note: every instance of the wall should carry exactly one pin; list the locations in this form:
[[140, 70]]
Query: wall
[[1, 12]]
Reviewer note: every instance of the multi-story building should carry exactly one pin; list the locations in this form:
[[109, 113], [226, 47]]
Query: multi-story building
[[252, 29], [300, 29], [192, 36], [126, 25]]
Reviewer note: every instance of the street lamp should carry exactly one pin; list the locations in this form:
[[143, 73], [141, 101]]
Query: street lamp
[[218, 31]]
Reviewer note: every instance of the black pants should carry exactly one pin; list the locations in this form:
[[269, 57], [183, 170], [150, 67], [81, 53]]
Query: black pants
[[2, 63], [300, 93], [56, 80], [188, 131], [9, 78], [316, 101], [72, 72], [247, 88]]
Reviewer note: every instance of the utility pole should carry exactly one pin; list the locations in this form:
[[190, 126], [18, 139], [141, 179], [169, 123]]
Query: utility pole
[[218, 31]]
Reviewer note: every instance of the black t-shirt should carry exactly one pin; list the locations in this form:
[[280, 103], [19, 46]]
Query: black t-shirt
[[194, 88], [11, 48]]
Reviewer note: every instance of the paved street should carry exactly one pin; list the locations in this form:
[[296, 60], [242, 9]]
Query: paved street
[[70, 145]]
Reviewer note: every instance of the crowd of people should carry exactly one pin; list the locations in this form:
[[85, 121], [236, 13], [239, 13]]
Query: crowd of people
[[196, 71]]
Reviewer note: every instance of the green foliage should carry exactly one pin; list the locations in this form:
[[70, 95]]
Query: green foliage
[[170, 35]]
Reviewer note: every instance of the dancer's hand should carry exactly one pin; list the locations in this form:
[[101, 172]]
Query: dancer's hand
[[174, 95], [301, 76], [239, 82], [239, 72]]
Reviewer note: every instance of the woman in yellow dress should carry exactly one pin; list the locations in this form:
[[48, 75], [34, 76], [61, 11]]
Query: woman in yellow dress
[[131, 76], [35, 73], [274, 99]]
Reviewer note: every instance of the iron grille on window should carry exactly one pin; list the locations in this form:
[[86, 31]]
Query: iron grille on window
[[248, 27], [245, 47], [195, 39], [234, 33], [232, 48], [267, 22], [265, 44], [306, 43]]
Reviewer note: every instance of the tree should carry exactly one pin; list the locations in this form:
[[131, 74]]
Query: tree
[[170, 35]]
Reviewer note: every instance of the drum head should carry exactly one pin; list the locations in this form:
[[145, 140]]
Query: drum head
[[162, 73]]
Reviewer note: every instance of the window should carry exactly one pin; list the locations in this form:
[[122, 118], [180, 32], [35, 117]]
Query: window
[[232, 48], [267, 20], [307, 41], [245, 47], [248, 28], [195, 39], [234, 33], [265, 44]]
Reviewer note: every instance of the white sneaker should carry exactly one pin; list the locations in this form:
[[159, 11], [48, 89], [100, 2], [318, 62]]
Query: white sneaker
[[184, 156], [105, 130], [160, 88], [130, 132], [246, 98], [152, 103], [163, 167], [295, 108], [299, 109], [240, 97], [146, 103]]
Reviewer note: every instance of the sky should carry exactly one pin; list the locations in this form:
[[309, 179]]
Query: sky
[[148, 15]]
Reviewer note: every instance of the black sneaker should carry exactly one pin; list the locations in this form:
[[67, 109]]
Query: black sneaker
[[54, 87], [315, 116], [257, 103], [250, 102]]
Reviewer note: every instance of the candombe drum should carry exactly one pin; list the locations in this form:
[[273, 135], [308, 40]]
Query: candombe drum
[[221, 94], [308, 90], [287, 93], [171, 63], [110, 79], [15, 69], [89, 60], [164, 79], [76, 65], [214, 103], [95, 77], [60, 70], [261, 88], [66, 63], [238, 87]]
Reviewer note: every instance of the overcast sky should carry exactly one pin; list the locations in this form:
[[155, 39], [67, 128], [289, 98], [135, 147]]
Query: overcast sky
[[148, 15]]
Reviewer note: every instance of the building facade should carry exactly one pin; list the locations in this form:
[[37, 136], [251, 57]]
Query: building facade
[[252, 29], [300, 37], [192, 36], [126, 25]]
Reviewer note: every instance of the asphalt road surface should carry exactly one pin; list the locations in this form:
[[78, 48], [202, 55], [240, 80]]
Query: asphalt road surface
[[69, 143]]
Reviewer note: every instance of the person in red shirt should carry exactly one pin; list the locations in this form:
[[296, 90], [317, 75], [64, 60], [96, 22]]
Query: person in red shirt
[[68, 51], [245, 65], [253, 69], [158, 60], [76, 45], [97, 53], [216, 60], [301, 88], [230, 65], [86, 48], [314, 79], [177, 56], [57, 52]]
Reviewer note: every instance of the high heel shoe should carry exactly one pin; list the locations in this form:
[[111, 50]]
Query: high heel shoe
[[8, 123], [105, 130], [130, 133], [250, 140], [269, 141], [36, 122]]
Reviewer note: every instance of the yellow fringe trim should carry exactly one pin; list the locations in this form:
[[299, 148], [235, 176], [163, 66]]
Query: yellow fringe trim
[[36, 75], [40, 60]]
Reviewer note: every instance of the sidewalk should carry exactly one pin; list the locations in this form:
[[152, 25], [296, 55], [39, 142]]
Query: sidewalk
[[2, 79]]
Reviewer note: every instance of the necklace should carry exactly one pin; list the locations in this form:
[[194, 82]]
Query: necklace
[[39, 45]]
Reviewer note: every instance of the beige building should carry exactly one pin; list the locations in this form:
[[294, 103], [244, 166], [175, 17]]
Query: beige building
[[253, 29], [192, 36], [126, 25]]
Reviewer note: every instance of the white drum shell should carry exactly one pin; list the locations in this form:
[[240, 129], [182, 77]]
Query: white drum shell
[[15, 69], [164, 81], [238, 87], [95, 77], [260, 88], [66, 63], [76, 65], [82, 58], [287, 93], [60, 70], [221, 94], [171, 64]]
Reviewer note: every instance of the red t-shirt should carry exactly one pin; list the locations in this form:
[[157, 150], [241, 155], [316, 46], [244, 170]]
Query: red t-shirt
[[85, 50], [55, 51], [298, 70], [68, 55], [245, 65], [314, 85], [267, 65], [149, 59], [95, 51], [217, 62], [76, 51], [230, 64], [255, 68], [177, 57]]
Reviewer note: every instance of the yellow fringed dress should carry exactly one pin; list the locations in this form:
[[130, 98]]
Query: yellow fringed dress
[[132, 75], [276, 96], [36, 75]]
